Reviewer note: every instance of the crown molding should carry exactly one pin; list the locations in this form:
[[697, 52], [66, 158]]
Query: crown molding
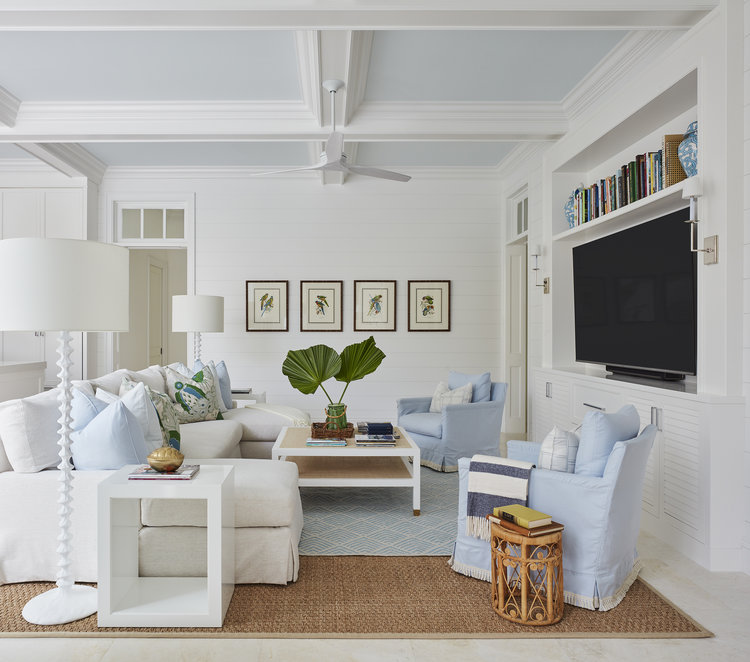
[[70, 159], [357, 67], [9, 105], [130, 173], [520, 157], [458, 121], [635, 50], [308, 59]]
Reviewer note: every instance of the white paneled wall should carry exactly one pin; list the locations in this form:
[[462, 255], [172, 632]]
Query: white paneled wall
[[439, 226], [746, 335]]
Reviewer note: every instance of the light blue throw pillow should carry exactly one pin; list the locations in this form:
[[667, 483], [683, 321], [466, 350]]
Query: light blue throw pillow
[[110, 441], [481, 384], [222, 374], [599, 433], [84, 409]]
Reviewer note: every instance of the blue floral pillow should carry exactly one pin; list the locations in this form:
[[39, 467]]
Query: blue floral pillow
[[195, 396]]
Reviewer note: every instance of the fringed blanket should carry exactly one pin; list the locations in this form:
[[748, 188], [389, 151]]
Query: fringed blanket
[[493, 482]]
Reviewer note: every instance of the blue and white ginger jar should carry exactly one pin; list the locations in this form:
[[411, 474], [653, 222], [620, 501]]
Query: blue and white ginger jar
[[687, 151]]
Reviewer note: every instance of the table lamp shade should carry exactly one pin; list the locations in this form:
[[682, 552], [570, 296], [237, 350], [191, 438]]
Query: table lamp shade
[[197, 312], [63, 285]]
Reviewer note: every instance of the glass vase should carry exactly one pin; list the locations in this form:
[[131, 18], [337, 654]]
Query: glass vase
[[336, 417]]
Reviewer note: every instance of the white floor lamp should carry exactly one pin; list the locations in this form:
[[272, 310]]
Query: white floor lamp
[[63, 285], [197, 313]]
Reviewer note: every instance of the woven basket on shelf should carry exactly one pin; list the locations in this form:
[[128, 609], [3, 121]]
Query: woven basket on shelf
[[319, 431]]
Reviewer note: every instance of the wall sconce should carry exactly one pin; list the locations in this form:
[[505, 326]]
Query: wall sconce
[[535, 252], [692, 190]]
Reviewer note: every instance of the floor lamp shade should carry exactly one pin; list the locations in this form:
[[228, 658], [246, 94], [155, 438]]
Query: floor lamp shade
[[63, 285], [197, 312]]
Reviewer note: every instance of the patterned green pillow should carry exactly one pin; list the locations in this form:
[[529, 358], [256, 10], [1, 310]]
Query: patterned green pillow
[[195, 396], [165, 410]]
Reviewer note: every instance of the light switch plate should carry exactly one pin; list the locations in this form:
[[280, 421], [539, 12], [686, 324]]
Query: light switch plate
[[711, 246]]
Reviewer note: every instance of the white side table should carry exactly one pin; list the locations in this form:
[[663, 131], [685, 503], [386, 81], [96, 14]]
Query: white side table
[[128, 600]]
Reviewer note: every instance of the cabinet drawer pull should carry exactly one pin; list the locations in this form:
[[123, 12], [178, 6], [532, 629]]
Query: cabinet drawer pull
[[586, 404]]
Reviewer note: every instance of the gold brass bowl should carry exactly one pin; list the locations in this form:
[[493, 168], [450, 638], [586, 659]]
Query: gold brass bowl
[[166, 459]]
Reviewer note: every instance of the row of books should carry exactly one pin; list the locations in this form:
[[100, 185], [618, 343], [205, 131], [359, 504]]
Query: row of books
[[646, 174], [370, 440]]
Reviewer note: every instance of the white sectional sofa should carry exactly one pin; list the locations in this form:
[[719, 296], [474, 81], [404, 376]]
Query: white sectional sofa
[[268, 510]]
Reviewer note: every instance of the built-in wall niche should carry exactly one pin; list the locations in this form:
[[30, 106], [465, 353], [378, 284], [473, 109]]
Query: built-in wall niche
[[668, 113]]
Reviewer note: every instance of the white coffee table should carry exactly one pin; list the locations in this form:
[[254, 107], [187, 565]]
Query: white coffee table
[[351, 465], [128, 600]]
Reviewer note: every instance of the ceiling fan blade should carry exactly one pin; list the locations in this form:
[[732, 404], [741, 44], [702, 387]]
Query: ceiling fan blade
[[317, 166], [334, 146], [378, 172]]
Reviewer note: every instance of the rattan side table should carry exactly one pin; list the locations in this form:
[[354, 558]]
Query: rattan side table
[[527, 577]]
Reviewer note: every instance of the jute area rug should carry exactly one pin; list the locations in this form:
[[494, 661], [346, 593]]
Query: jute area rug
[[378, 597]]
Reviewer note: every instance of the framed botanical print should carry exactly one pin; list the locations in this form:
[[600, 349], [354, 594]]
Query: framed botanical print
[[321, 305], [429, 305], [374, 305], [267, 305]]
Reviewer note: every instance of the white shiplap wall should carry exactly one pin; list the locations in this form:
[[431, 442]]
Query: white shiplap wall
[[441, 225], [746, 335]]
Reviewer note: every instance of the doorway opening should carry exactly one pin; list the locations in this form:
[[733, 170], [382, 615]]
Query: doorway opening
[[156, 275]]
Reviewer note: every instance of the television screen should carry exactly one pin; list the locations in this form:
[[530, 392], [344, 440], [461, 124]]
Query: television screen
[[635, 297]]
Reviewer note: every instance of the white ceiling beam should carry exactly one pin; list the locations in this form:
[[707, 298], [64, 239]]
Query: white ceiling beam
[[70, 159], [344, 14], [9, 106], [357, 69], [206, 121], [308, 60]]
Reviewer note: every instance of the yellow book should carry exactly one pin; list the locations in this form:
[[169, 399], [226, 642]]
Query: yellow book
[[523, 516]]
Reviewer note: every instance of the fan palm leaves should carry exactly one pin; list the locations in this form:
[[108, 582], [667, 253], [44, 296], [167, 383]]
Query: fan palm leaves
[[307, 369]]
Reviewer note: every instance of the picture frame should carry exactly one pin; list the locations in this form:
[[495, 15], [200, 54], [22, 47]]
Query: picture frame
[[429, 305], [266, 305], [321, 305], [374, 305]]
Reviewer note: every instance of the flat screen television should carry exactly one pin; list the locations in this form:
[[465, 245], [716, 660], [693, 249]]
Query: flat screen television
[[635, 299]]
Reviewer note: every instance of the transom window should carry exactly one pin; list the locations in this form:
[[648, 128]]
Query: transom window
[[150, 223]]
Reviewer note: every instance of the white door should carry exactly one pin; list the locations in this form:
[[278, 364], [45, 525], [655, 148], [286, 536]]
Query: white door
[[515, 333], [156, 281]]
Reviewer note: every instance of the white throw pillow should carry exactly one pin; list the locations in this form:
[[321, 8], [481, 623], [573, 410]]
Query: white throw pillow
[[140, 405], [29, 430], [558, 451], [445, 396], [112, 440]]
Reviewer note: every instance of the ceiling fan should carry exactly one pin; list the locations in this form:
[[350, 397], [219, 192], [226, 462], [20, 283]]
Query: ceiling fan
[[333, 158]]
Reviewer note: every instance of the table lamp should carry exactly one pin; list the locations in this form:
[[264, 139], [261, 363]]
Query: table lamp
[[197, 313], [63, 285]]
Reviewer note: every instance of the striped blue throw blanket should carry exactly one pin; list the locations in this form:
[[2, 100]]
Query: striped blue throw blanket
[[493, 482]]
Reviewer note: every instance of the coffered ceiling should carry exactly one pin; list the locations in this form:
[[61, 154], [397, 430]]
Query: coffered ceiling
[[229, 83]]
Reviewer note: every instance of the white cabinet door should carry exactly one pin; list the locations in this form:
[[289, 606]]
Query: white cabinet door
[[551, 405]]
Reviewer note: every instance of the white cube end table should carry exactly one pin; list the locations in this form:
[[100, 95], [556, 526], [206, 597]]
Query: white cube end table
[[128, 600]]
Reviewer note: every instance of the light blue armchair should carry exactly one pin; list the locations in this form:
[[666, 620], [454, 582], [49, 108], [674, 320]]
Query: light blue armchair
[[457, 431], [601, 515]]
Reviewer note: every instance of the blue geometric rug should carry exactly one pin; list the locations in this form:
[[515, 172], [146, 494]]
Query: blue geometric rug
[[378, 521]]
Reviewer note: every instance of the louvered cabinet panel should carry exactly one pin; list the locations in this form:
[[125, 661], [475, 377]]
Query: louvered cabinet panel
[[682, 501]]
